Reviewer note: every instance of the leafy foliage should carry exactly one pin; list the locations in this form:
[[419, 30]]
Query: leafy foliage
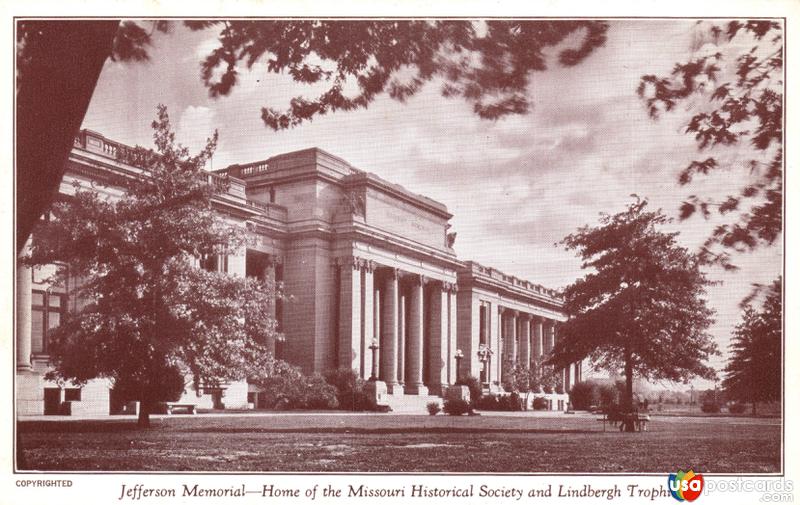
[[474, 385], [641, 308], [433, 408], [456, 407], [148, 314], [285, 386], [523, 379], [350, 391], [733, 105], [753, 372], [539, 403], [508, 403], [490, 70], [583, 395], [488, 65]]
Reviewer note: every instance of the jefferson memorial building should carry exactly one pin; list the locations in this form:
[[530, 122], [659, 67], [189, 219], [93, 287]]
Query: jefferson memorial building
[[361, 260]]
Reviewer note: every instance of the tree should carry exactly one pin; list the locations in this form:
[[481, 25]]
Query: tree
[[753, 372], [737, 96], [528, 380], [641, 308], [59, 63], [149, 317]]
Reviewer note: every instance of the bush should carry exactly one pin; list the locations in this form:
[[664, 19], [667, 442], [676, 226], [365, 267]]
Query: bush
[[319, 394], [511, 402], [737, 408], [539, 403], [433, 408], [609, 395], [456, 407], [349, 389], [488, 402], [710, 408], [475, 388], [285, 387], [583, 395]]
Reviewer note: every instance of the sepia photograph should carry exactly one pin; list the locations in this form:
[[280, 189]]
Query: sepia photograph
[[400, 246]]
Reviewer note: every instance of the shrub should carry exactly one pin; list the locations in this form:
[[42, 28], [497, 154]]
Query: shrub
[[609, 395], [737, 408], [319, 394], [511, 402], [456, 407], [583, 395], [433, 408], [349, 389], [488, 402], [285, 387], [710, 408], [539, 403], [474, 386]]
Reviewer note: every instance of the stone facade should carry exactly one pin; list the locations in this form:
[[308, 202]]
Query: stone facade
[[362, 259]]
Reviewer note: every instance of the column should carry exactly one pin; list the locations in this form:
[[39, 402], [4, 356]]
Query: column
[[497, 332], [524, 340], [415, 324], [509, 341], [376, 325], [401, 335], [549, 337], [513, 326], [439, 347], [367, 317], [23, 317], [389, 303], [268, 276], [577, 372], [350, 313], [568, 378], [538, 342], [452, 300], [538, 332]]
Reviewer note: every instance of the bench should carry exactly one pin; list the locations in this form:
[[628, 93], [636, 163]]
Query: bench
[[639, 421], [190, 407]]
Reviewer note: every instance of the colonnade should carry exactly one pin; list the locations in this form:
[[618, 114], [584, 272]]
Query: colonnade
[[527, 340], [403, 320]]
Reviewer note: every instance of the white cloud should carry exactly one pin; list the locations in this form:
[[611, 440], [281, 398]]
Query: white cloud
[[196, 124]]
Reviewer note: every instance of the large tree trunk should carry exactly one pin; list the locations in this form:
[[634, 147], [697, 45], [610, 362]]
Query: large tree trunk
[[54, 87], [144, 414], [628, 400]]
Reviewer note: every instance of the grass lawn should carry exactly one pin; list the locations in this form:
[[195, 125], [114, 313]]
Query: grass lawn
[[402, 443]]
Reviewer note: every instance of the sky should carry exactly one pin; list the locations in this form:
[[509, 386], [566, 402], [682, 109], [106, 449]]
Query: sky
[[516, 186]]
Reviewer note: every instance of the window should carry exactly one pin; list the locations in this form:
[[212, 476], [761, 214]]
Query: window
[[72, 395], [47, 310], [215, 263]]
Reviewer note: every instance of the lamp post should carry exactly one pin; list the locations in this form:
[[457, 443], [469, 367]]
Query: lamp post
[[459, 356], [374, 347]]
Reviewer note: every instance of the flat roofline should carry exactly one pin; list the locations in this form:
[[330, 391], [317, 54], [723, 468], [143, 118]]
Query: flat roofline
[[473, 267], [355, 177]]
